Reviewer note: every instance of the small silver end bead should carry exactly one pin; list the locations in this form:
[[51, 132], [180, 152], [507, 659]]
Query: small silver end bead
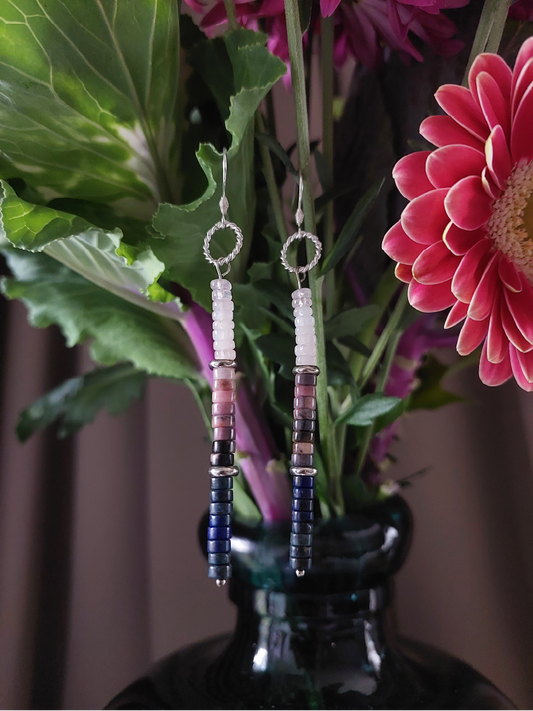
[[310, 369], [223, 471]]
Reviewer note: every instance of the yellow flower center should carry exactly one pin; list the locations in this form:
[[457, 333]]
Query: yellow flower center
[[511, 223]]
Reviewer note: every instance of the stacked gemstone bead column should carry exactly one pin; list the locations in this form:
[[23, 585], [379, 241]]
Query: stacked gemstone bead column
[[303, 436], [222, 469]]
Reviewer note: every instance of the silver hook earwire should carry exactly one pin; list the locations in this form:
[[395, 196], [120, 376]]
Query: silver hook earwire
[[299, 216], [224, 204]]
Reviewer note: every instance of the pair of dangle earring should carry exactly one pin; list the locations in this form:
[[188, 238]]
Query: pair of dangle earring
[[306, 375], [222, 469]]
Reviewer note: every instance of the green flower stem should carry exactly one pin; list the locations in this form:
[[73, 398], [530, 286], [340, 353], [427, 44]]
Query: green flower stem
[[268, 172], [327, 147], [232, 16], [332, 458], [489, 30]]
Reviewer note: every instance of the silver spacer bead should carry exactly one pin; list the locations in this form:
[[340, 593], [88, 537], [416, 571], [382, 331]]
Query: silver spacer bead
[[222, 364], [311, 369], [223, 471], [303, 471], [220, 582], [300, 573]]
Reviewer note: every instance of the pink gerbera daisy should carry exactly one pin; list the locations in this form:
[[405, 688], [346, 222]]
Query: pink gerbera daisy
[[466, 238]]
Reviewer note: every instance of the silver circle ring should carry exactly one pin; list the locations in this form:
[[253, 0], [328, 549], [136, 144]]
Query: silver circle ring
[[223, 225], [299, 236]]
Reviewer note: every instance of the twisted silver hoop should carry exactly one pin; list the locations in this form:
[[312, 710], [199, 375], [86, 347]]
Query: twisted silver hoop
[[223, 224], [299, 235]]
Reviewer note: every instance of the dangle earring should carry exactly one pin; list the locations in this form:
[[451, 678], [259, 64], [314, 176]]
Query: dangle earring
[[223, 366], [304, 424]]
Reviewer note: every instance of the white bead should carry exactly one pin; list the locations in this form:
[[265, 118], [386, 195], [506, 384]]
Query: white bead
[[303, 311], [224, 373], [221, 334], [306, 360], [219, 294], [301, 293], [223, 304], [228, 354], [224, 345], [223, 324], [222, 312], [301, 302], [306, 349], [304, 322], [307, 337], [220, 284]]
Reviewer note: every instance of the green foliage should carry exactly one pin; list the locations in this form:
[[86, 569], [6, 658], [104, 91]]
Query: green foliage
[[430, 394], [88, 99], [349, 322], [119, 330], [367, 409], [77, 401]]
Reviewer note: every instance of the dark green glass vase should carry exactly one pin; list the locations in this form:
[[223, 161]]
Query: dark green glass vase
[[317, 642]]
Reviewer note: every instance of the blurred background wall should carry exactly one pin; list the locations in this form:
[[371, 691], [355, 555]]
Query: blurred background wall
[[101, 572]]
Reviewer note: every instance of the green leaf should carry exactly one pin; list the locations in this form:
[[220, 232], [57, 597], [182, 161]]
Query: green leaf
[[183, 228], [211, 60], [356, 345], [77, 401], [349, 232], [88, 98], [275, 146], [119, 330], [277, 348], [97, 254], [367, 408], [278, 295], [250, 305], [392, 415], [244, 506], [349, 322], [430, 394]]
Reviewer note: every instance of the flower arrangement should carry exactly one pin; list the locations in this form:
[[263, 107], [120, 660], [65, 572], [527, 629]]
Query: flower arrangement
[[113, 121]]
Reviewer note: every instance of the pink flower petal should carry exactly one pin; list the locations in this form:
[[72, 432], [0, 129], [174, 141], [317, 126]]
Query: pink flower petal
[[456, 315], [494, 374], [460, 241], [526, 363], [496, 109], [509, 275], [472, 333], [449, 164], [471, 269], [511, 330], [498, 158], [445, 131], [519, 367], [467, 204], [435, 265], [410, 175], [457, 101], [489, 186], [400, 247], [523, 83], [430, 298], [521, 133], [521, 309], [483, 298], [404, 272], [497, 341], [328, 7], [425, 219], [523, 57], [498, 69]]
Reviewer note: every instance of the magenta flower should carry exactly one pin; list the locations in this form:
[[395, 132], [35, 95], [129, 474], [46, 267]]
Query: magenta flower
[[521, 10], [362, 28]]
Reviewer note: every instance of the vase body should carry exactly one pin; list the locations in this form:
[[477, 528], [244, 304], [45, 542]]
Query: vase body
[[319, 642]]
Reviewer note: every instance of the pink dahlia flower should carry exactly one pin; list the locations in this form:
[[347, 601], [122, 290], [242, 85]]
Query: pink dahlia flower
[[466, 238], [362, 27]]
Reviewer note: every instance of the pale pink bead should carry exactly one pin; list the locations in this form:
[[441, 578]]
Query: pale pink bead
[[223, 395], [224, 374]]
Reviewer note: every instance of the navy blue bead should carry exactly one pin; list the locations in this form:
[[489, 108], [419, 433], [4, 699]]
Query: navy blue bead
[[302, 516], [219, 572], [301, 527], [300, 551], [303, 481], [218, 546], [301, 539], [300, 563], [298, 493], [218, 558], [219, 520], [302, 504], [221, 482], [218, 532], [217, 509], [224, 495]]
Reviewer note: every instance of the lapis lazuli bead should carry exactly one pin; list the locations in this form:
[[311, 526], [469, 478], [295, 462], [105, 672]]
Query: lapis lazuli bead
[[218, 558], [303, 481], [221, 482], [302, 516], [298, 493], [219, 532], [218, 546], [219, 520], [219, 508], [223, 495], [219, 572], [302, 504]]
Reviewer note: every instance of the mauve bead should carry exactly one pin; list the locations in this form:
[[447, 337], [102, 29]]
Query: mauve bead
[[223, 373], [305, 391], [224, 433], [308, 425], [223, 395], [304, 414], [305, 402], [302, 460], [218, 546], [221, 459], [223, 408], [303, 448], [305, 379], [223, 421], [303, 436], [223, 446], [224, 384]]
